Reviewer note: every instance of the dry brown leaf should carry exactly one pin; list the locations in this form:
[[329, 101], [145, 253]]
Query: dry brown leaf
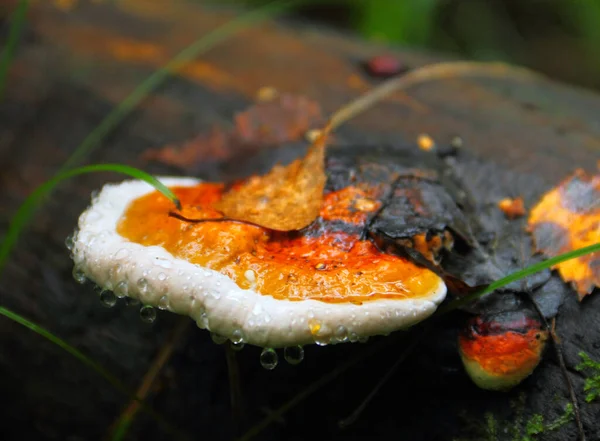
[[568, 218], [287, 198]]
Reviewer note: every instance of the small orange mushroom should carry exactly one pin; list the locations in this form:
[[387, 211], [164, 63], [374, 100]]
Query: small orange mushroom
[[500, 352]]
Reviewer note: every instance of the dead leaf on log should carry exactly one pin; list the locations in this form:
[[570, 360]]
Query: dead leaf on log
[[568, 218], [284, 118], [287, 198], [272, 122]]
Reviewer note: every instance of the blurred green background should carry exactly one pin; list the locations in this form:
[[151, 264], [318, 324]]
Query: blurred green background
[[558, 37]]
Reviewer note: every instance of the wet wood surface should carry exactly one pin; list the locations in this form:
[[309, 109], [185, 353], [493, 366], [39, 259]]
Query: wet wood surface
[[72, 67]]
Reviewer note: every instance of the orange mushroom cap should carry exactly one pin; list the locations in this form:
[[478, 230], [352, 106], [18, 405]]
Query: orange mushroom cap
[[274, 289]]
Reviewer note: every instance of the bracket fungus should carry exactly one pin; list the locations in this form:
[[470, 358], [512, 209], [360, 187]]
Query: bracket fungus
[[498, 352], [245, 282]]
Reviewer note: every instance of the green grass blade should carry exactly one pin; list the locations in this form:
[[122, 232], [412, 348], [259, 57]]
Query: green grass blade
[[114, 381], [518, 275], [23, 214], [65, 346], [197, 48], [17, 23]]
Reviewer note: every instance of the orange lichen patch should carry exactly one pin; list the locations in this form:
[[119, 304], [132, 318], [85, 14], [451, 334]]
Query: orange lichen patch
[[351, 205], [355, 82], [512, 208], [266, 93], [287, 198], [431, 247], [333, 267], [425, 142], [568, 218]]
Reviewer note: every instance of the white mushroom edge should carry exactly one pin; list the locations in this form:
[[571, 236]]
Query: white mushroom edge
[[155, 277]]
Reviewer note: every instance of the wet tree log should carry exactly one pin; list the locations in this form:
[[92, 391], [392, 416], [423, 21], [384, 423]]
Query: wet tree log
[[73, 67]]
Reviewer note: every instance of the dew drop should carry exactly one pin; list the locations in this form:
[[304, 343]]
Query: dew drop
[[147, 314], [314, 326], [164, 263], [237, 346], [122, 254], [130, 301], [108, 299], [214, 294], [341, 335], [250, 276], [161, 276], [294, 354], [217, 339], [163, 303], [70, 242], [142, 285], [268, 358], [203, 320], [93, 216], [321, 341], [121, 289], [237, 336], [79, 275]]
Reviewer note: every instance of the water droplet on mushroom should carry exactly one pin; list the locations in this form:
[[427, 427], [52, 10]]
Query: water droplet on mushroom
[[314, 326], [121, 254], [217, 338], [69, 242], [161, 276], [108, 299], [147, 314], [93, 216], [237, 346], [163, 303], [79, 275], [214, 294], [203, 320], [321, 341], [130, 301], [164, 263], [341, 335], [121, 289], [237, 336], [268, 358], [294, 354], [250, 276], [142, 285]]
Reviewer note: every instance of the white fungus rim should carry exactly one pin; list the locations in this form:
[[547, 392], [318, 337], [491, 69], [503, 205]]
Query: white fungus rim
[[156, 277]]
